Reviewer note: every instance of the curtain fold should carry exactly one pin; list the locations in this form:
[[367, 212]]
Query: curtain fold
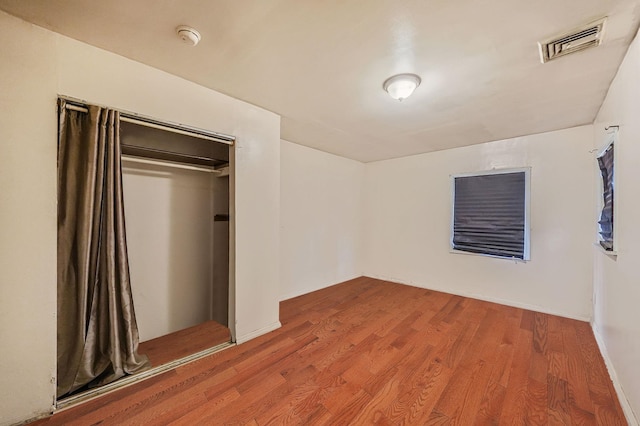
[[97, 330], [605, 162]]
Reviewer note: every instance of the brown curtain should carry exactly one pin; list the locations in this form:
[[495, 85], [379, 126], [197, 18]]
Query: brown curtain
[[97, 331]]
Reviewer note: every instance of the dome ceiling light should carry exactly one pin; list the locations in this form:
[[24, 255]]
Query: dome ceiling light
[[401, 86]]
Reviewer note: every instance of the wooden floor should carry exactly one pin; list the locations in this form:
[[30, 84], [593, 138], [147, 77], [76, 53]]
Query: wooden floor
[[185, 342], [373, 352]]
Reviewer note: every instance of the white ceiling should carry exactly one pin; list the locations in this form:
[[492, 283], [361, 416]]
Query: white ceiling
[[321, 64]]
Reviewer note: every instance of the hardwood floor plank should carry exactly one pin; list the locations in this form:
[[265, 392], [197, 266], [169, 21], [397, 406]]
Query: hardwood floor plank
[[558, 401], [492, 401], [601, 389], [373, 352], [557, 364], [349, 410], [528, 320], [373, 410], [458, 343], [253, 401], [579, 395], [554, 334], [437, 419], [540, 333], [204, 413], [491, 405], [173, 346], [329, 389], [536, 411], [539, 367], [508, 344], [513, 411], [416, 405], [265, 363], [459, 400], [295, 398], [444, 312], [166, 413]]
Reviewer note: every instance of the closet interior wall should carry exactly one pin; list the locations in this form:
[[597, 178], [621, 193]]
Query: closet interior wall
[[177, 232]]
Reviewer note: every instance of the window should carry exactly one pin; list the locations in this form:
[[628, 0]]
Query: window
[[491, 213], [606, 222]]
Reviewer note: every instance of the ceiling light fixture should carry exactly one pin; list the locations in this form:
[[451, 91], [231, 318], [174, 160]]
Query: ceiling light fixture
[[188, 35], [401, 86]]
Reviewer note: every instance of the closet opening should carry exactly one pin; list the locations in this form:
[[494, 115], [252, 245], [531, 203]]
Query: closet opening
[[176, 200], [176, 193]]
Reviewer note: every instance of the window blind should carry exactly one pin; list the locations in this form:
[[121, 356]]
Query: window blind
[[489, 214]]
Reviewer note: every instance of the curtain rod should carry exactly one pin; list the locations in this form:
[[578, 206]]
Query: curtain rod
[[133, 118]]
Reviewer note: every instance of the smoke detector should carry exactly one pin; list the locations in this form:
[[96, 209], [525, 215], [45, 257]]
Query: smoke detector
[[587, 36], [188, 35]]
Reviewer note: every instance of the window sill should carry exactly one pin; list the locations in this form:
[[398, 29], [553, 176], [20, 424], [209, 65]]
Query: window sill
[[468, 253], [610, 253]]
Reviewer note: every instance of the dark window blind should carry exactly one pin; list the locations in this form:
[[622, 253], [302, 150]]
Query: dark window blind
[[489, 214], [605, 162]]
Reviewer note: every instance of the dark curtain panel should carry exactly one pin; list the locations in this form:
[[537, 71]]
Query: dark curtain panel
[[605, 162], [489, 214], [97, 331]]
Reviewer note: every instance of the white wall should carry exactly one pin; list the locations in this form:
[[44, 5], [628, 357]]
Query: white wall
[[169, 218], [407, 217], [36, 66], [320, 219], [617, 280], [27, 220]]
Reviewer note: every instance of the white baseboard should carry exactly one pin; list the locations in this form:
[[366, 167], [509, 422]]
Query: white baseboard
[[252, 335], [499, 301], [301, 292], [626, 407]]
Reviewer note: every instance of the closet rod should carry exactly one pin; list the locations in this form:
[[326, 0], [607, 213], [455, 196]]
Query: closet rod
[[134, 159], [156, 124]]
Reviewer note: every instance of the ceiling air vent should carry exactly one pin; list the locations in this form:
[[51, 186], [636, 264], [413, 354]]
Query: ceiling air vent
[[589, 35]]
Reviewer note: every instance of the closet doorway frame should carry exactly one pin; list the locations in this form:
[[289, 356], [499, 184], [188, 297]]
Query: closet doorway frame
[[139, 119]]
